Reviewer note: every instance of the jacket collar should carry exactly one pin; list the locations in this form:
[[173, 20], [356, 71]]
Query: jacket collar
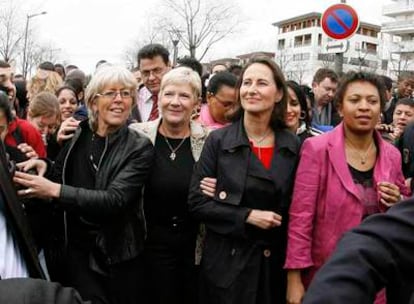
[[237, 137], [112, 136], [336, 151]]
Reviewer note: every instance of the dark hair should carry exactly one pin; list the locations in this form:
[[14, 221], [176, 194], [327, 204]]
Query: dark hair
[[300, 94], [323, 73], [234, 67], [21, 95], [75, 84], [135, 69], [71, 67], [152, 50], [4, 64], [100, 62], [67, 87], [353, 76], [308, 93], [219, 80], [387, 82], [47, 65], [58, 65], [192, 63], [279, 110], [405, 101], [5, 106]]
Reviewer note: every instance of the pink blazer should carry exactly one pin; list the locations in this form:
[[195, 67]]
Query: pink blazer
[[326, 203]]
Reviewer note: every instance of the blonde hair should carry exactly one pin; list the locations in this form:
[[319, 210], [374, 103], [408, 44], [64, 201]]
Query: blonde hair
[[182, 75], [105, 76], [44, 104], [44, 81]]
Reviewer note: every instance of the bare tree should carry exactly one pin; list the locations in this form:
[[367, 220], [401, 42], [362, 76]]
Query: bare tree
[[199, 24], [284, 58], [11, 32]]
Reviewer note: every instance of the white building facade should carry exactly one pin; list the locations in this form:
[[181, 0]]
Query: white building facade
[[302, 48], [399, 32]]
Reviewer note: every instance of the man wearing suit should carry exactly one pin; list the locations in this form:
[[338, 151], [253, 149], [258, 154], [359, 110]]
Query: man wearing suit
[[379, 253], [18, 257]]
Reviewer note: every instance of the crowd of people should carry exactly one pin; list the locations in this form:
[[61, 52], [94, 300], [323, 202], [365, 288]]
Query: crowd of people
[[165, 184]]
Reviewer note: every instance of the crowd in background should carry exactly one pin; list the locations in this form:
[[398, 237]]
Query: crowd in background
[[167, 184]]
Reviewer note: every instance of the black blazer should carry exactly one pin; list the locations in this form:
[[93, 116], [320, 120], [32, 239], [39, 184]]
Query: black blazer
[[379, 253], [230, 243], [17, 220]]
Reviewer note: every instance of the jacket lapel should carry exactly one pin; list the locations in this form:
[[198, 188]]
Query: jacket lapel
[[336, 154]]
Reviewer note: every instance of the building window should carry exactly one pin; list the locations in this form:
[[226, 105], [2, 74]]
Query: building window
[[384, 65], [307, 39], [281, 44], [319, 39], [298, 41], [326, 57]]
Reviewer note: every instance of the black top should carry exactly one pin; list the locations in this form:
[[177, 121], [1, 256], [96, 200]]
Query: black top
[[361, 177], [166, 191], [81, 173]]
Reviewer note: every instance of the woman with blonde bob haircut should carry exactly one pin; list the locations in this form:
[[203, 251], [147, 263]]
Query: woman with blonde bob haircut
[[97, 182], [171, 234]]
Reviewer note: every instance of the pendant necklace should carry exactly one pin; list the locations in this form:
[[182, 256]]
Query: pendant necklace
[[173, 153], [258, 141], [363, 156]]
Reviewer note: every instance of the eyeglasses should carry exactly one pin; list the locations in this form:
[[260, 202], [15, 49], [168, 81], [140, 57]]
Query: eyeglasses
[[224, 103], [156, 72], [112, 94]]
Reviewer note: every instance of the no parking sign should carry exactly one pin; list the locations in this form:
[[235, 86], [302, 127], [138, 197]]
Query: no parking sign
[[340, 21]]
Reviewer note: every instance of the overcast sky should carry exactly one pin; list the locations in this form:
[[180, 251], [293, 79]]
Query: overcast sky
[[85, 31]]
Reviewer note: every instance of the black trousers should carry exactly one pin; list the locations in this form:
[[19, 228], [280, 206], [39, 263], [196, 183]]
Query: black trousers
[[122, 285], [170, 276]]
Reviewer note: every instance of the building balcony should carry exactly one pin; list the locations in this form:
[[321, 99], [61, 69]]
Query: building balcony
[[398, 27], [393, 10], [403, 47]]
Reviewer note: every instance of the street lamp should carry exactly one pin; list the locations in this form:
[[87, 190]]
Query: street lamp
[[26, 32], [175, 38]]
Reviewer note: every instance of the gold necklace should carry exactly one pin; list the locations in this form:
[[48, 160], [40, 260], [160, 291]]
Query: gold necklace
[[363, 156], [258, 141]]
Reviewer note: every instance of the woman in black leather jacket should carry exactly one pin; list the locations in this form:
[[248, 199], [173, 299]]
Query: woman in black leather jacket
[[97, 182]]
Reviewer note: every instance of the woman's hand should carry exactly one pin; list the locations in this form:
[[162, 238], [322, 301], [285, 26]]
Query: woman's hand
[[37, 164], [27, 150], [295, 288], [36, 186], [67, 129], [389, 193], [208, 186], [264, 219]]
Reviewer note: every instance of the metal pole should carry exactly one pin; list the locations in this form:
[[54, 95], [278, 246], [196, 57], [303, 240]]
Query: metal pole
[[339, 58], [26, 33], [25, 46], [175, 43]]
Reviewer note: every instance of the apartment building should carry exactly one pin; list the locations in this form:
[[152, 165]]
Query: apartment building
[[400, 28], [302, 48]]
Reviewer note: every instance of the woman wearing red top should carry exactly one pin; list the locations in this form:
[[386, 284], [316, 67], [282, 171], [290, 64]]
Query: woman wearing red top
[[254, 161]]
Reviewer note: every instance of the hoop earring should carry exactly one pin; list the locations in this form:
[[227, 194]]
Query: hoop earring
[[302, 115]]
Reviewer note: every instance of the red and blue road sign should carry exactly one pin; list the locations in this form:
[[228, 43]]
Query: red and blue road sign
[[340, 21]]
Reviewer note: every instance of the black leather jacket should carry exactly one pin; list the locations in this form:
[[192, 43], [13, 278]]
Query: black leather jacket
[[116, 202]]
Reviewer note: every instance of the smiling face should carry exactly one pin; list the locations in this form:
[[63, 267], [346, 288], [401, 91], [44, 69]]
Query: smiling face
[[112, 113], [360, 107], [177, 102], [258, 91], [403, 115], [67, 104], [293, 111]]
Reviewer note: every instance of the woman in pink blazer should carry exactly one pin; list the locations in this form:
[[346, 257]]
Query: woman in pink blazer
[[343, 176]]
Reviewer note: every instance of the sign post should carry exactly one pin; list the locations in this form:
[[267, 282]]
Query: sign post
[[340, 21]]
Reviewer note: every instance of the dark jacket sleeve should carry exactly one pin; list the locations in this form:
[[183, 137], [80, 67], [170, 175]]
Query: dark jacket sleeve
[[123, 190], [379, 253], [222, 218]]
